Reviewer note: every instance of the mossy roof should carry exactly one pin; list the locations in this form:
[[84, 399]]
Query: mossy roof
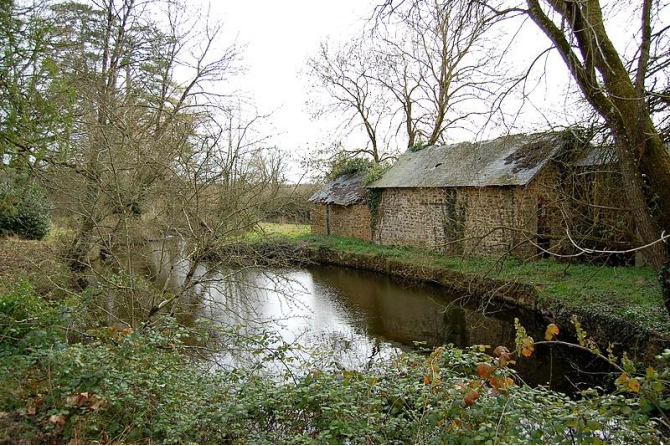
[[344, 190], [512, 160]]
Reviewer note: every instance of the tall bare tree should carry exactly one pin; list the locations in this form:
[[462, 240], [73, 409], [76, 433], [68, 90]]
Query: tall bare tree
[[625, 89], [437, 64], [420, 70], [347, 75]]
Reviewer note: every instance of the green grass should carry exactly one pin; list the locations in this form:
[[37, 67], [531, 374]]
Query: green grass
[[630, 293], [286, 230]]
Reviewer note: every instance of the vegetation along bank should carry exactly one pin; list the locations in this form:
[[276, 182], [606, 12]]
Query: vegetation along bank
[[619, 305], [66, 376]]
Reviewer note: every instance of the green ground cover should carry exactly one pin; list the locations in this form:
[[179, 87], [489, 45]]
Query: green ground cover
[[67, 377]]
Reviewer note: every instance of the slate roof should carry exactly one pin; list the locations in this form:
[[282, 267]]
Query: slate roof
[[344, 190], [506, 161], [598, 156], [603, 155]]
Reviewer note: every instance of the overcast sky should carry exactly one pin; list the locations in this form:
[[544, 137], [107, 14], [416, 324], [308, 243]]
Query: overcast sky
[[281, 35]]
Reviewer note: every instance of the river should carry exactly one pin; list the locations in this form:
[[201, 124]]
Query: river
[[352, 317]]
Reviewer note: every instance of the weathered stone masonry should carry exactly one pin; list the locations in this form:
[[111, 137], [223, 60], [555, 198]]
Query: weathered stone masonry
[[347, 221], [458, 220]]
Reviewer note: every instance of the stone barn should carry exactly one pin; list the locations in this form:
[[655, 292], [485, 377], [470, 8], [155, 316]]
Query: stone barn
[[483, 198], [340, 208]]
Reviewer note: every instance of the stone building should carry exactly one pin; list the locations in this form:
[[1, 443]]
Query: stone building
[[340, 208], [477, 198]]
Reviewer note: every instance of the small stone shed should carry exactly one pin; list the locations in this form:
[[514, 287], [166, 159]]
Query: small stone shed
[[340, 208], [474, 198]]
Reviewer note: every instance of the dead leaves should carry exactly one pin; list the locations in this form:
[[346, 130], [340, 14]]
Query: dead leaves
[[500, 384], [551, 332], [86, 401], [485, 370], [58, 420], [471, 397], [624, 382], [503, 354], [118, 332], [91, 401]]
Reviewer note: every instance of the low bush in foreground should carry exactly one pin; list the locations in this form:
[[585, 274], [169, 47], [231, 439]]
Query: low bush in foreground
[[129, 387]]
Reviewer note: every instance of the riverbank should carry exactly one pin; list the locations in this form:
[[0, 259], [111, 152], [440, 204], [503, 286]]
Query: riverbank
[[69, 377], [620, 305]]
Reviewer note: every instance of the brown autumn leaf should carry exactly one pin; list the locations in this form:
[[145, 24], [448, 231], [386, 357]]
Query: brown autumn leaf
[[634, 385], [485, 370], [426, 380], [471, 397], [96, 403], [500, 351], [552, 332], [58, 420], [527, 347], [503, 355], [505, 383], [622, 380], [77, 399], [500, 384]]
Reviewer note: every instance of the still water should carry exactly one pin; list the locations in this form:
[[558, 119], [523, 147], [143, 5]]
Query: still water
[[356, 316]]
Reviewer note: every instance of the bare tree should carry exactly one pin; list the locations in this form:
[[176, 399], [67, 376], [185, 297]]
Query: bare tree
[[420, 70], [628, 90], [577, 31], [141, 97], [436, 64], [347, 75]]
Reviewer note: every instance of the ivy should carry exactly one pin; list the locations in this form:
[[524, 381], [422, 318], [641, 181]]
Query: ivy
[[374, 198], [348, 166], [418, 146], [375, 172]]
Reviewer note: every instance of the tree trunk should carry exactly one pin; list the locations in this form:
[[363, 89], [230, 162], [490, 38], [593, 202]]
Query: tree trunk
[[644, 161]]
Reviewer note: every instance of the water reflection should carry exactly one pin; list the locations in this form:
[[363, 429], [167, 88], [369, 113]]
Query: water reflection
[[354, 315]]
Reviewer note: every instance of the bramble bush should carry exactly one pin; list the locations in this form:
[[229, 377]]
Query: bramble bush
[[142, 386]]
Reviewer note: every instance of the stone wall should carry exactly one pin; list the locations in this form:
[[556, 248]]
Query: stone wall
[[472, 221], [412, 217], [499, 220], [347, 221], [318, 216]]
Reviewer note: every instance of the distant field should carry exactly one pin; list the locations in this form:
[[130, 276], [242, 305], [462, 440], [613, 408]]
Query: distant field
[[287, 230]]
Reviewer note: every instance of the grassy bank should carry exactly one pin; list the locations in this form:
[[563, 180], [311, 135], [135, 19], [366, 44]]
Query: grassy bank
[[66, 377], [629, 294]]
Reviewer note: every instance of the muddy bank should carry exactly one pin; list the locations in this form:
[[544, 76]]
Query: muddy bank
[[604, 327]]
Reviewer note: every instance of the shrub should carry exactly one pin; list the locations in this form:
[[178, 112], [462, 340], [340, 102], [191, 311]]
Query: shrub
[[418, 146], [26, 319], [375, 172], [24, 213], [348, 166]]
